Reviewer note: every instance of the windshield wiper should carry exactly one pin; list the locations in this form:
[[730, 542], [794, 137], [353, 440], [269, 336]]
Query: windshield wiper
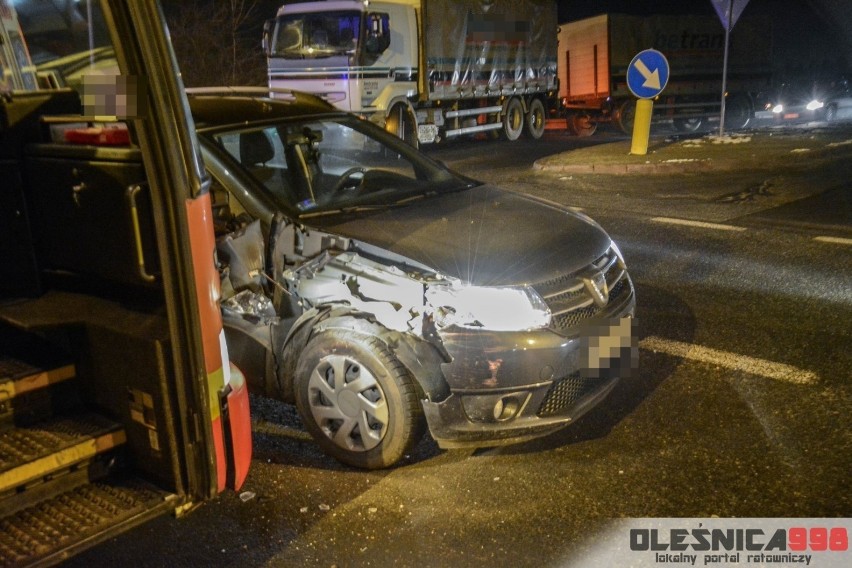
[[352, 209], [369, 207]]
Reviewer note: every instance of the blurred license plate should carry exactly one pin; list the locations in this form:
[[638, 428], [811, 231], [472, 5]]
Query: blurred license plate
[[610, 345]]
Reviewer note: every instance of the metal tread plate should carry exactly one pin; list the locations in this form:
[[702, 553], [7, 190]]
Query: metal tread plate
[[29, 453], [45, 532], [18, 377]]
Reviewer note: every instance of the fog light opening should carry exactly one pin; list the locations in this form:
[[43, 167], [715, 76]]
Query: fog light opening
[[506, 408]]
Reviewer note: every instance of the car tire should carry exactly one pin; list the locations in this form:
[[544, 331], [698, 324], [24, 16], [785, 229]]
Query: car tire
[[513, 119], [360, 404], [535, 119]]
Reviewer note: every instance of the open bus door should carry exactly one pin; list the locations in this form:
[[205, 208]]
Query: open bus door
[[117, 398]]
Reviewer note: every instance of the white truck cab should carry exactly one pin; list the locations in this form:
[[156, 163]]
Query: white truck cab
[[425, 72], [358, 56]]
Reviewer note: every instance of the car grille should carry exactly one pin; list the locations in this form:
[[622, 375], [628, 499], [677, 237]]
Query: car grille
[[564, 393], [569, 300]]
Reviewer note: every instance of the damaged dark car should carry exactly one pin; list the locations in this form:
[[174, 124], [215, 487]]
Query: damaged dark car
[[385, 295]]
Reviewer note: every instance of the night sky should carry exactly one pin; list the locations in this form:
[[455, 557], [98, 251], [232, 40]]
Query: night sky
[[577, 9]]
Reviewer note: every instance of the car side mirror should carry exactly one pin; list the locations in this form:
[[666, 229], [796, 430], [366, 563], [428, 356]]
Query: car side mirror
[[266, 42]]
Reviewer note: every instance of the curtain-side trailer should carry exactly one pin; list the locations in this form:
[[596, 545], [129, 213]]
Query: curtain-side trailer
[[594, 53]]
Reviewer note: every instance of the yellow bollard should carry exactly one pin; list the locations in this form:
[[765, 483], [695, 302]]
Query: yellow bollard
[[642, 126]]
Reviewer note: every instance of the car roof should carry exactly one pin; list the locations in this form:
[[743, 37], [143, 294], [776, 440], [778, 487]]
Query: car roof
[[217, 107]]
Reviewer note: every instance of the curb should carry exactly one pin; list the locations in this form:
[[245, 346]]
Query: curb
[[626, 169], [831, 152]]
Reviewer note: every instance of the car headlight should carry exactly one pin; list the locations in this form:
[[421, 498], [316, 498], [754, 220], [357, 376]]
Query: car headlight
[[814, 105], [777, 109], [510, 308]]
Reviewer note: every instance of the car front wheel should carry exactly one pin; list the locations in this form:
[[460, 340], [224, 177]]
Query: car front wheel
[[357, 400]]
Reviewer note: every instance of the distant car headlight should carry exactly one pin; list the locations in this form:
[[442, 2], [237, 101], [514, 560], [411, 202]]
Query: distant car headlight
[[814, 105], [511, 308], [778, 109]]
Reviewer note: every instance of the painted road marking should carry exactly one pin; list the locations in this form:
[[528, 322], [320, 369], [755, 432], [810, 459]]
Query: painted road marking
[[834, 240], [751, 365], [701, 224]]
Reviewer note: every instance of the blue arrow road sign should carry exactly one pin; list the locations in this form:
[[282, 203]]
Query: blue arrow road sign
[[648, 74]]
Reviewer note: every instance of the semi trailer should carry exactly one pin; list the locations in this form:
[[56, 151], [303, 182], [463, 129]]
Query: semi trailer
[[594, 54]]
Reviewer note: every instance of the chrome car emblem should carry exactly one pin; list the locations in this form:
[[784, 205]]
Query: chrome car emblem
[[598, 289]]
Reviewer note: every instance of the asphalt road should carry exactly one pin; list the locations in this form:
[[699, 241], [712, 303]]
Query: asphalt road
[[740, 407]]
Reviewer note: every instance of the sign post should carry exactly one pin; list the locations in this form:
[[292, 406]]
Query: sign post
[[647, 76], [729, 12]]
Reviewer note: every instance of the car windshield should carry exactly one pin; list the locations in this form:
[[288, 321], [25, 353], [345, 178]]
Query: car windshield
[[334, 164], [311, 36]]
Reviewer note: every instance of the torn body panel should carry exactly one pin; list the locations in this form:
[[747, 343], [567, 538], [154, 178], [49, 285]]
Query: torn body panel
[[421, 358], [334, 290], [394, 298]]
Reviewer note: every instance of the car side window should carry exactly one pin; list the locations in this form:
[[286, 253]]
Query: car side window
[[323, 163], [261, 152]]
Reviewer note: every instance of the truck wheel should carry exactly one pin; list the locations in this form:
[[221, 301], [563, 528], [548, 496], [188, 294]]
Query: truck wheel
[[691, 124], [625, 115], [513, 119], [359, 403], [737, 112], [581, 124], [535, 119], [401, 122]]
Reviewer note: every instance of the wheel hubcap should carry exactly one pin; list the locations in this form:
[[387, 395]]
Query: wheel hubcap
[[516, 119], [347, 403]]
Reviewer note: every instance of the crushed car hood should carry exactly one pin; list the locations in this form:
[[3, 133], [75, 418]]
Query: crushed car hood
[[484, 236]]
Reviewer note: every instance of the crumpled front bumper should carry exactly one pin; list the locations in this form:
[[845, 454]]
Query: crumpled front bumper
[[509, 387], [452, 427]]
